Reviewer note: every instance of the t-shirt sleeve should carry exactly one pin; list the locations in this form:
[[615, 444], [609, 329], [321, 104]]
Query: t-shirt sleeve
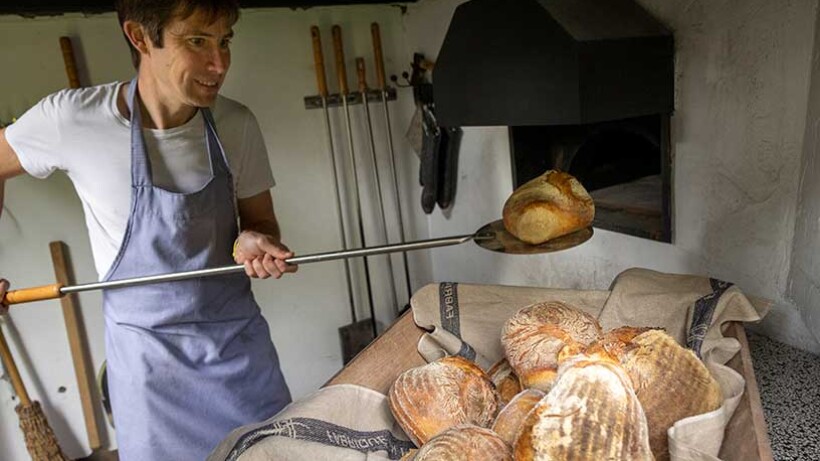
[[36, 137], [255, 175]]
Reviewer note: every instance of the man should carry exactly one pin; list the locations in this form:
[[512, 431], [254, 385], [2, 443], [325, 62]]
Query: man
[[187, 361]]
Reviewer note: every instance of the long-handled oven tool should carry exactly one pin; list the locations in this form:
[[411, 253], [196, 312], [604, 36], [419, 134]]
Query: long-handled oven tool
[[75, 331], [492, 237], [362, 77], [41, 442], [341, 73], [382, 86], [348, 331]]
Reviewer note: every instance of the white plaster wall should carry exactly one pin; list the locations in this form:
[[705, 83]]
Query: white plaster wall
[[272, 71], [742, 74], [804, 278]]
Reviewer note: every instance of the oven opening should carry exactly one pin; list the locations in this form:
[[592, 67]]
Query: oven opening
[[624, 164]]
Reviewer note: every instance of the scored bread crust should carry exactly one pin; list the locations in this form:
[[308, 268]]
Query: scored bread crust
[[539, 336], [591, 413], [465, 443], [671, 382], [432, 398], [511, 417], [547, 207]]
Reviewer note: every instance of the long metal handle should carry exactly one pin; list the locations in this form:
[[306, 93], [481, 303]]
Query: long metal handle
[[360, 70], [307, 259], [338, 51], [56, 290], [378, 56], [321, 80]]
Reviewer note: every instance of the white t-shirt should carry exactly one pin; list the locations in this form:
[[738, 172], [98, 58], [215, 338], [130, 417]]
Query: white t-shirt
[[83, 133]]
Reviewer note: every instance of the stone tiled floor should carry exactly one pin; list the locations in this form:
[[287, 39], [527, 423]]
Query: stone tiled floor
[[789, 383]]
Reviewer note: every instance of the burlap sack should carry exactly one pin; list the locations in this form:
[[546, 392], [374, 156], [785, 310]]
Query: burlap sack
[[466, 320], [690, 308], [349, 422], [343, 422]]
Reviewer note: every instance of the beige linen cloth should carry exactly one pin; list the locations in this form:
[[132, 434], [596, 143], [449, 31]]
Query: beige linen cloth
[[348, 422], [343, 422], [467, 320]]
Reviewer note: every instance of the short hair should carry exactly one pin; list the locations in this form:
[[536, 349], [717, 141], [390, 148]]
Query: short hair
[[154, 15]]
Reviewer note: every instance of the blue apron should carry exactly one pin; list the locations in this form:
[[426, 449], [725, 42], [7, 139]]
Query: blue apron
[[188, 361]]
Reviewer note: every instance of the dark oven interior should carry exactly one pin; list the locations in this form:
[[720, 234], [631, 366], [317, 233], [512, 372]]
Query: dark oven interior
[[624, 164]]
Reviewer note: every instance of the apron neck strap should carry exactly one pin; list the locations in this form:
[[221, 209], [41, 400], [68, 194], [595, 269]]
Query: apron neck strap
[[216, 154], [140, 163], [140, 168]]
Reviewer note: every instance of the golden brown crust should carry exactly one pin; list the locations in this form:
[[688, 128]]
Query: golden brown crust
[[590, 413], [549, 206], [465, 443], [669, 380], [510, 419], [615, 343], [538, 337], [429, 399], [506, 382]]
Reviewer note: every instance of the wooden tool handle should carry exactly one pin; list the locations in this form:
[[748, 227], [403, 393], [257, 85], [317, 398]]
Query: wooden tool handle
[[360, 72], [14, 375], [70, 62], [338, 51], [27, 295], [378, 56], [319, 61], [77, 342]]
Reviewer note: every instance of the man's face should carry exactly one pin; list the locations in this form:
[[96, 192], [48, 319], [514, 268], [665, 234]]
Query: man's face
[[191, 66]]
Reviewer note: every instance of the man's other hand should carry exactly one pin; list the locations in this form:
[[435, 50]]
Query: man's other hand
[[262, 255], [4, 287]]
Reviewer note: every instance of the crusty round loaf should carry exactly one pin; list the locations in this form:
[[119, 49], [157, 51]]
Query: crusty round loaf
[[506, 382], [511, 417], [465, 443], [670, 381], [432, 398], [549, 206], [591, 413], [537, 337]]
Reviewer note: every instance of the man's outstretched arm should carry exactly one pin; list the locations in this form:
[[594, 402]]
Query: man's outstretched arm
[[9, 165]]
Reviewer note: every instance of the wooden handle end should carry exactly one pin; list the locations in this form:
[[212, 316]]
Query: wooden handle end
[[339, 53], [27, 295], [319, 61], [70, 62], [378, 56]]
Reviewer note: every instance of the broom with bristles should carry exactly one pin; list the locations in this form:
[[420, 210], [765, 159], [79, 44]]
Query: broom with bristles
[[40, 440]]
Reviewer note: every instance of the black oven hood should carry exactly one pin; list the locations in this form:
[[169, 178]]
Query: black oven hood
[[552, 62]]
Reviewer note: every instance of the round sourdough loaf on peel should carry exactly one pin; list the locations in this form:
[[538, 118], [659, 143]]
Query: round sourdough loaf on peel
[[511, 417], [670, 381], [539, 335], [432, 398], [591, 414], [465, 443], [549, 206], [506, 382]]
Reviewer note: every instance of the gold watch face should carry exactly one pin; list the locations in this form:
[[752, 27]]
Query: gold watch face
[[495, 237]]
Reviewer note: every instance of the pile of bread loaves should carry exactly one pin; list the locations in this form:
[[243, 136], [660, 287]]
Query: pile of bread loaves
[[566, 390]]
